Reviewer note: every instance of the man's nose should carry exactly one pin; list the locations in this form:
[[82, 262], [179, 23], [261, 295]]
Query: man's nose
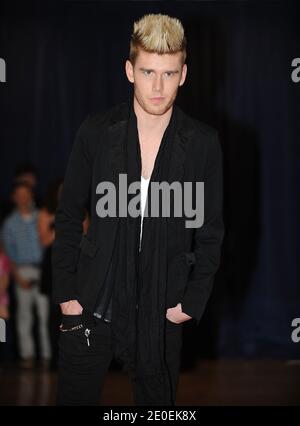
[[157, 84]]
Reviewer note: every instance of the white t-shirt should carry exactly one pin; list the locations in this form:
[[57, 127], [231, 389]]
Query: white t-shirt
[[144, 191]]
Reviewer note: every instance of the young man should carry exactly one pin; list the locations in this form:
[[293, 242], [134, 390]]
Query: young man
[[128, 285], [22, 245]]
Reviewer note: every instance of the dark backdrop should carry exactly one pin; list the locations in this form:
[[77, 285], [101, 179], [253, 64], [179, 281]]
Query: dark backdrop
[[66, 59]]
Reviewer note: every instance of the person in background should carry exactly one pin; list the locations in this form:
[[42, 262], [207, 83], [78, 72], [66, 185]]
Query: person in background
[[4, 282], [24, 172], [7, 350], [22, 245]]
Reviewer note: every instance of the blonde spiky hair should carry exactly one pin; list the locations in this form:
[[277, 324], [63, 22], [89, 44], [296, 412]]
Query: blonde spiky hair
[[157, 33]]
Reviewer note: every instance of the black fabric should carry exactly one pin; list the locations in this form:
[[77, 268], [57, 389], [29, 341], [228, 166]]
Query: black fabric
[[80, 262], [103, 308], [192, 153], [139, 305], [82, 368], [46, 275]]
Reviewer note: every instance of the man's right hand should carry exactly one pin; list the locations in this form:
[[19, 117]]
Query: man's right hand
[[72, 307]]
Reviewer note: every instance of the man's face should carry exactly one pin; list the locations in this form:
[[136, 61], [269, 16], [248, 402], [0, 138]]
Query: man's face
[[156, 79], [22, 197]]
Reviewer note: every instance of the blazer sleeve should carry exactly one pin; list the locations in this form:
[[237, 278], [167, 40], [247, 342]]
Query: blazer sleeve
[[208, 238], [69, 216]]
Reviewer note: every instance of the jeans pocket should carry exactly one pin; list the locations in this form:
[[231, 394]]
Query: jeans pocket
[[172, 325], [70, 321]]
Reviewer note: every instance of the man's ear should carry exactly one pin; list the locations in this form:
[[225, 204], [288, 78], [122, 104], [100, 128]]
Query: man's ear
[[129, 71], [183, 74]]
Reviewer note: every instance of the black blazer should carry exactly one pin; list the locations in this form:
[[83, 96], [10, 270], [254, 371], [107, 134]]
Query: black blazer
[[81, 262]]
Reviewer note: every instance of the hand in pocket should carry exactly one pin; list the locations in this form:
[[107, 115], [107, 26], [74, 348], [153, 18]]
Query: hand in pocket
[[176, 315]]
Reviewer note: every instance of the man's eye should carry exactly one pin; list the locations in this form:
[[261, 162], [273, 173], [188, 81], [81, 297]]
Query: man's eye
[[169, 74], [147, 72]]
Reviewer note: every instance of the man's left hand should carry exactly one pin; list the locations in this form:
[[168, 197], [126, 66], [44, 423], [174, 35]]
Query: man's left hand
[[176, 315]]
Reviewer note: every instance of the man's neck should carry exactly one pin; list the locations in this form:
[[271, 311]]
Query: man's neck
[[151, 124], [25, 211]]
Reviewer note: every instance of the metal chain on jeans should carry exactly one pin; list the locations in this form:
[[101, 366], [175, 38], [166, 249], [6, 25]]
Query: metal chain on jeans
[[87, 331], [77, 327]]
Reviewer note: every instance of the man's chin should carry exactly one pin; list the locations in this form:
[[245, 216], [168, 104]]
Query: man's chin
[[157, 109]]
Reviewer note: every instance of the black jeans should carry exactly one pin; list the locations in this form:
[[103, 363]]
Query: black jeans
[[84, 361]]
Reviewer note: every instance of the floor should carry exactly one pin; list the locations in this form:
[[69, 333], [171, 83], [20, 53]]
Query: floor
[[210, 382]]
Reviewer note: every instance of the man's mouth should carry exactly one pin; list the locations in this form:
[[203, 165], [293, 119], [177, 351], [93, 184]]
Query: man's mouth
[[157, 99]]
